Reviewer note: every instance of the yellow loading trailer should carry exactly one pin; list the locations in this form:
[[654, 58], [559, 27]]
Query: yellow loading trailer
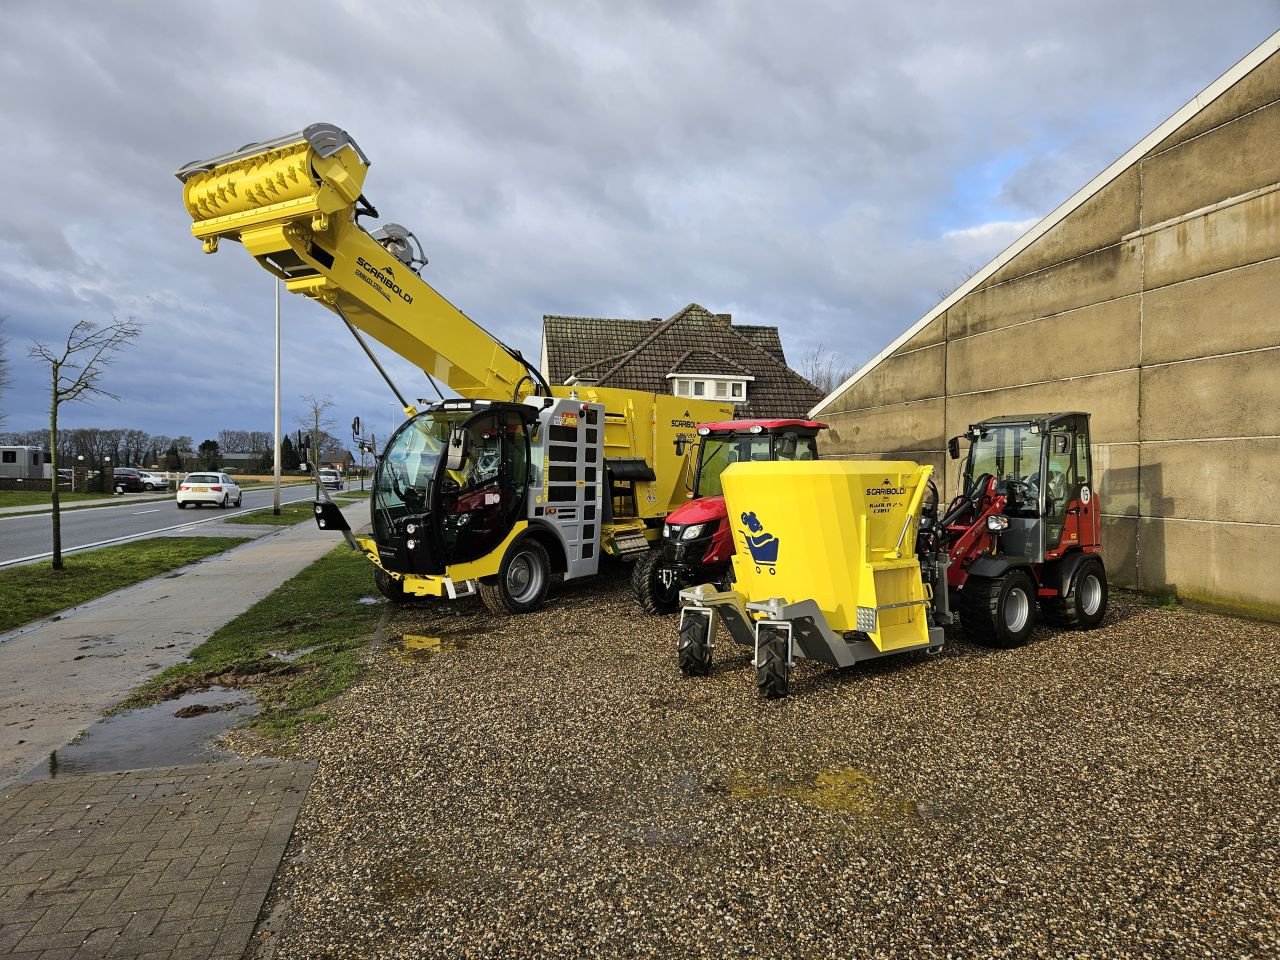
[[825, 568], [490, 493]]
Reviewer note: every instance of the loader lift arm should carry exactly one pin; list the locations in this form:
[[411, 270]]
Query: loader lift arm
[[295, 202]]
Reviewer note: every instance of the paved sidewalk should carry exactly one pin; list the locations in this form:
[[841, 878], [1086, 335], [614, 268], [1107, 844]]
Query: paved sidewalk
[[58, 677], [172, 863]]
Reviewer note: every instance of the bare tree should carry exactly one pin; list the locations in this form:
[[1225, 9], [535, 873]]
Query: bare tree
[[76, 368], [315, 422], [823, 368]]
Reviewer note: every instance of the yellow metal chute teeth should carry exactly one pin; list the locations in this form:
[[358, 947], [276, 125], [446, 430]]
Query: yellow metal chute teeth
[[318, 170]]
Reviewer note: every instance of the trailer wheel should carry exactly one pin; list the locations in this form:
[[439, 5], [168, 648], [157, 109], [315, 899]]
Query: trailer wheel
[[693, 649], [999, 611], [1088, 604], [646, 583], [522, 580], [390, 587], [773, 672]]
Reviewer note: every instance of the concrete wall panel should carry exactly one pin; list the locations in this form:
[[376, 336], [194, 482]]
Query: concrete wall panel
[[1120, 550], [1226, 162], [907, 376], [1231, 396], [1230, 311], [934, 332], [1099, 222], [1111, 398], [1226, 564], [1233, 480], [1234, 236], [1257, 89], [900, 428], [1074, 344], [1115, 475], [1106, 274]]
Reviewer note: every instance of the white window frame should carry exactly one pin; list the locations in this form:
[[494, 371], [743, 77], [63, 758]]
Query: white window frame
[[683, 385]]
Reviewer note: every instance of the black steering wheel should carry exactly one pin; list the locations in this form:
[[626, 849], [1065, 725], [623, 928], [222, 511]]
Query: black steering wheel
[[1012, 483]]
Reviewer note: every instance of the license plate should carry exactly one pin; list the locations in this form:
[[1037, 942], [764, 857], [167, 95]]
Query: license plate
[[200, 489]]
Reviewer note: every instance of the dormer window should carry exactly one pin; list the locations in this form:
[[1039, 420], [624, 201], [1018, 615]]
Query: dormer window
[[731, 388]]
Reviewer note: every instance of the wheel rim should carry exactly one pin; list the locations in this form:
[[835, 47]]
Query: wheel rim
[[1090, 594], [524, 577], [1017, 608]]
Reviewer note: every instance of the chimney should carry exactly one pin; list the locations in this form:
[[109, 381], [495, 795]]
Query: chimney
[[724, 319]]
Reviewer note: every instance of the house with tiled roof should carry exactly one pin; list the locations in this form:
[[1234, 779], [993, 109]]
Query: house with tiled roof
[[693, 353]]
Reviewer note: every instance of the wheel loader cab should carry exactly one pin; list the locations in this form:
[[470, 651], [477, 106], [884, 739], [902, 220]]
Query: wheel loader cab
[[1040, 465], [450, 485]]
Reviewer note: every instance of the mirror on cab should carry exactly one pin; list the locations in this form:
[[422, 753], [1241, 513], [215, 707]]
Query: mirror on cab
[[682, 444], [457, 452], [1061, 444], [787, 449], [355, 428], [953, 448]]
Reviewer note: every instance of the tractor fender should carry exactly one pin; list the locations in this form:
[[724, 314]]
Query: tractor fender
[[996, 566], [1060, 575]]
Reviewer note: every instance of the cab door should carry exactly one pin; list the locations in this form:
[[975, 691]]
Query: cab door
[[480, 498]]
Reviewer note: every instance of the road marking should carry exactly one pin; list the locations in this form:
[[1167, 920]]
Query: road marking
[[135, 536], [141, 512]]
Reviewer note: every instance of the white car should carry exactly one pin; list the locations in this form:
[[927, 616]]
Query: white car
[[215, 489], [153, 481], [332, 479]]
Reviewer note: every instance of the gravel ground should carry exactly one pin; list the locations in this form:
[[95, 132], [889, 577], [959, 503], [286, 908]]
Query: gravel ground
[[551, 785]]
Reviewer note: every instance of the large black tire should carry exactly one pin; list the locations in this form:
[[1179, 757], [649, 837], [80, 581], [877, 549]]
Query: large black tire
[[390, 587], [226, 501], [693, 649], [999, 611], [773, 672], [181, 505], [522, 580], [650, 593], [1087, 605]]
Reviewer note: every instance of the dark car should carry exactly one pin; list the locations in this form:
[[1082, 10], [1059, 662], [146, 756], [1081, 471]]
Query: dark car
[[128, 480]]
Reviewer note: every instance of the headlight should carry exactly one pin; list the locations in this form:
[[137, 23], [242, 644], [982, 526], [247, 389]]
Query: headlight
[[666, 531], [691, 531], [996, 524]]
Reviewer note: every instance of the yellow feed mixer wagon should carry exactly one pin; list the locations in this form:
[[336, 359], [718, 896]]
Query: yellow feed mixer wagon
[[826, 568]]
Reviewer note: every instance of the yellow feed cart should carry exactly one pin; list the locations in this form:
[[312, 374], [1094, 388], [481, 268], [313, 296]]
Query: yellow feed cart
[[826, 567]]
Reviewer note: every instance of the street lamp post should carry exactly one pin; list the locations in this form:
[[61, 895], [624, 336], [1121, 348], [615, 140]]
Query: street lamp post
[[108, 478], [80, 470]]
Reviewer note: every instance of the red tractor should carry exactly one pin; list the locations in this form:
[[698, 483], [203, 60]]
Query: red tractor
[[1027, 527], [697, 544]]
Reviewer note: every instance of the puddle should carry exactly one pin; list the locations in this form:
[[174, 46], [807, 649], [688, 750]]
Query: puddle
[[412, 646], [369, 601], [153, 736], [288, 656], [843, 790]]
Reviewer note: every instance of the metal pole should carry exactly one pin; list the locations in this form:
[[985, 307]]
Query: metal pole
[[276, 502]]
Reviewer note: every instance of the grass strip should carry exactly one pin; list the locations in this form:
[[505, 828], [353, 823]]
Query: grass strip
[[290, 513], [36, 590], [317, 615], [43, 498]]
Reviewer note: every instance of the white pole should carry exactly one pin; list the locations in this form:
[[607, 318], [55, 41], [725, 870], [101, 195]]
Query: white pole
[[276, 507]]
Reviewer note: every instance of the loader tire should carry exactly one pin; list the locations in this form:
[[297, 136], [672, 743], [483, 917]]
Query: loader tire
[[1000, 611], [390, 587], [693, 648], [773, 673], [522, 580], [647, 585], [1087, 604]]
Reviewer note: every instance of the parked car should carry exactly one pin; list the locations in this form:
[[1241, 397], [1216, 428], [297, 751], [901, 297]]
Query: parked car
[[127, 479], [332, 479], [153, 481], [216, 489]]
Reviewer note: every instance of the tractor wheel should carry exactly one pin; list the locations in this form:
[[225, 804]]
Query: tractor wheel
[[773, 672], [390, 587], [999, 611], [693, 649], [646, 583], [1087, 606], [522, 580]]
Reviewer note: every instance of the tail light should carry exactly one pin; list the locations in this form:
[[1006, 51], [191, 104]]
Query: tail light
[[216, 489], [184, 487]]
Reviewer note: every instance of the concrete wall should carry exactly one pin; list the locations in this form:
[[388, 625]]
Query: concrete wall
[[1155, 306]]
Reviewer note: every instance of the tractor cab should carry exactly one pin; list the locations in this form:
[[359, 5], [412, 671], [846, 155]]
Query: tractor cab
[[697, 544]]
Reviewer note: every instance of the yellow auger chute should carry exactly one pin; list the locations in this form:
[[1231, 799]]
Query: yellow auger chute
[[311, 174]]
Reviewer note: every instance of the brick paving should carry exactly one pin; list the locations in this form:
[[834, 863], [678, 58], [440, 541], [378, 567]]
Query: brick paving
[[173, 862]]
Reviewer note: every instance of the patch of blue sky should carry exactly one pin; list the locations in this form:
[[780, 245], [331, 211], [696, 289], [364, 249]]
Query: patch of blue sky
[[975, 193]]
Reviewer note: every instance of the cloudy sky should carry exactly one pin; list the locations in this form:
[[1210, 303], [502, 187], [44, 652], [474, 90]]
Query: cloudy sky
[[831, 168]]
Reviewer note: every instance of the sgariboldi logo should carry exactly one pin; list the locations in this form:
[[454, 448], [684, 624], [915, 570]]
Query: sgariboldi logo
[[762, 545], [382, 278]]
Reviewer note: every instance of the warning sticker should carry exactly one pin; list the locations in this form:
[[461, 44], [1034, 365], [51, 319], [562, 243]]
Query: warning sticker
[[565, 420]]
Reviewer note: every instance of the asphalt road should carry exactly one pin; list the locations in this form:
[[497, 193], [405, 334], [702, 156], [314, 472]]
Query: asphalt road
[[28, 538]]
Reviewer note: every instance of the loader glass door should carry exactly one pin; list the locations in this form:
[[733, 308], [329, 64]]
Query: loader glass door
[[1010, 453], [1061, 484], [479, 502]]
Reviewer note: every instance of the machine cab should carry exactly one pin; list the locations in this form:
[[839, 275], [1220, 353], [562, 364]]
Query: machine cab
[[1041, 465], [450, 485]]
